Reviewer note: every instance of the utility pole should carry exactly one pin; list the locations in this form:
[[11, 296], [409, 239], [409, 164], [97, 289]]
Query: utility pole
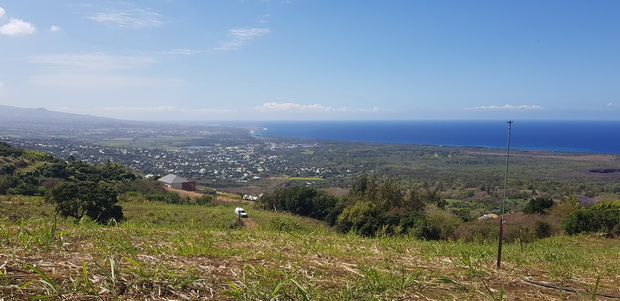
[[501, 220]]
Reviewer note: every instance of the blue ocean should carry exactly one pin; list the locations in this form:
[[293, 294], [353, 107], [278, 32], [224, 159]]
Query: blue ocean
[[567, 136]]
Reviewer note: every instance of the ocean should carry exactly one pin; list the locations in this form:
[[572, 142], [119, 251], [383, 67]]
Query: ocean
[[567, 136]]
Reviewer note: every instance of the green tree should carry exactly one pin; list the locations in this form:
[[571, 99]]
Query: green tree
[[538, 205], [86, 198]]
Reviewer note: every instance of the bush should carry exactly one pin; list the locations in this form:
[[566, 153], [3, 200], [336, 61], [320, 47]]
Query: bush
[[438, 224], [300, 200], [79, 199], [538, 205], [543, 229], [601, 217]]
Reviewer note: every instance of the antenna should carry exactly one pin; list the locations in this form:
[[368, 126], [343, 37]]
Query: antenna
[[501, 220]]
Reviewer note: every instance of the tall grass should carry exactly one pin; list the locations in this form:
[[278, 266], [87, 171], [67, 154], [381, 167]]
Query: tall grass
[[190, 252]]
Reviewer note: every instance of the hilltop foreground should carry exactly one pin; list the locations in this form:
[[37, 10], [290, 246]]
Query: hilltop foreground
[[189, 252]]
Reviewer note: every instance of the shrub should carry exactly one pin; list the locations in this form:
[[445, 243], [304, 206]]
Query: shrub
[[538, 205], [79, 199], [439, 224], [601, 217], [543, 229]]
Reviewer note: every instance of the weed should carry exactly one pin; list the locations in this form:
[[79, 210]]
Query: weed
[[44, 238], [53, 288]]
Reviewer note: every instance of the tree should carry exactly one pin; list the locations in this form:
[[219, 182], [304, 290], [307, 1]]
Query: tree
[[79, 199], [538, 205], [301, 200]]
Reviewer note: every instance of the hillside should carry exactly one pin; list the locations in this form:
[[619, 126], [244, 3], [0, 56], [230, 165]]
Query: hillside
[[191, 247], [183, 252]]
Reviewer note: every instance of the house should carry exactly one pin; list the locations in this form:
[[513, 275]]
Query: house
[[176, 182]]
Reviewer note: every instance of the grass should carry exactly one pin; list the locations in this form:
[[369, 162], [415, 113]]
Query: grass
[[191, 252]]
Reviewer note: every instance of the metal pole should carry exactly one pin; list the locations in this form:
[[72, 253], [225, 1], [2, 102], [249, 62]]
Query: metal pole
[[501, 220]]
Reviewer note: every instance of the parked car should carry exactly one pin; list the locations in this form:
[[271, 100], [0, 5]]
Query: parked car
[[240, 211]]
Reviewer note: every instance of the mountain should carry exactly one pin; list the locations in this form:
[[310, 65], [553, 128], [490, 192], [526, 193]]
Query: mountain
[[14, 117]]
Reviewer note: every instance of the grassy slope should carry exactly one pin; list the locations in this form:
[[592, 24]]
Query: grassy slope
[[190, 252]]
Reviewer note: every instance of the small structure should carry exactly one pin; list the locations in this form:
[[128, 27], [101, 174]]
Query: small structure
[[176, 182]]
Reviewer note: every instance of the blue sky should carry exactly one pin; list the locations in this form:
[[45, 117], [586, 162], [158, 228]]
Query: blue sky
[[313, 59]]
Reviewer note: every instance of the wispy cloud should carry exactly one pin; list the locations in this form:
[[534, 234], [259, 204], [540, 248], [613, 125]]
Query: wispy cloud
[[264, 18], [508, 107], [1, 88], [17, 27], [132, 18], [91, 62], [610, 106], [2, 12], [294, 107], [240, 36], [54, 28]]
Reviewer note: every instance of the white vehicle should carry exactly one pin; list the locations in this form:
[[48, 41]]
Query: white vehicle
[[241, 212]]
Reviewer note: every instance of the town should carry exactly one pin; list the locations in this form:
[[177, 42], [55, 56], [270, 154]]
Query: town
[[218, 165]]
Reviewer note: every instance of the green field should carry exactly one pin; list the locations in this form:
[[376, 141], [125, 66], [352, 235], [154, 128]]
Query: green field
[[158, 142], [185, 252]]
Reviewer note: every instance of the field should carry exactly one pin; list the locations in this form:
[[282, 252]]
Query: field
[[175, 252]]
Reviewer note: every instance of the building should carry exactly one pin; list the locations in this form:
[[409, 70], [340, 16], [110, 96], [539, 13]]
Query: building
[[176, 182]]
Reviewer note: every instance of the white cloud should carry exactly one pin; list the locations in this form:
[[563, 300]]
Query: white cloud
[[264, 18], [134, 18], [294, 107], [91, 62], [239, 36], [509, 108], [1, 88], [54, 28], [17, 27], [1, 12], [610, 106]]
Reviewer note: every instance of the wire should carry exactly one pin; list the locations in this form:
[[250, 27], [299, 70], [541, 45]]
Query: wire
[[567, 289]]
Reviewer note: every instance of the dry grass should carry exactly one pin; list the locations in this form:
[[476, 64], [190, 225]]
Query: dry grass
[[144, 261]]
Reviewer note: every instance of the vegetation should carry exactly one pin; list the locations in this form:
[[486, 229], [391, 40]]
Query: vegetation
[[165, 251], [538, 205], [598, 218], [86, 198], [397, 240]]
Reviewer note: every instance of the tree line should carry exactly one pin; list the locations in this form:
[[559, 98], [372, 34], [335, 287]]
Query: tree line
[[373, 206], [380, 206]]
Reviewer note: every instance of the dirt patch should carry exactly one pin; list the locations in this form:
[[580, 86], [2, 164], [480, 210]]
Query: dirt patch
[[248, 223], [185, 193]]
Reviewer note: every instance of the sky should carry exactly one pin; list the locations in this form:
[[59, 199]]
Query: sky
[[213, 60]]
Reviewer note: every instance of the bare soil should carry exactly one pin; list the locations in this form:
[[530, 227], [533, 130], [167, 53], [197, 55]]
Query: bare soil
[[249, 223]]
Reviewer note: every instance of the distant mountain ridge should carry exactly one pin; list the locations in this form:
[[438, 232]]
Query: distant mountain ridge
[[14, 116]]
